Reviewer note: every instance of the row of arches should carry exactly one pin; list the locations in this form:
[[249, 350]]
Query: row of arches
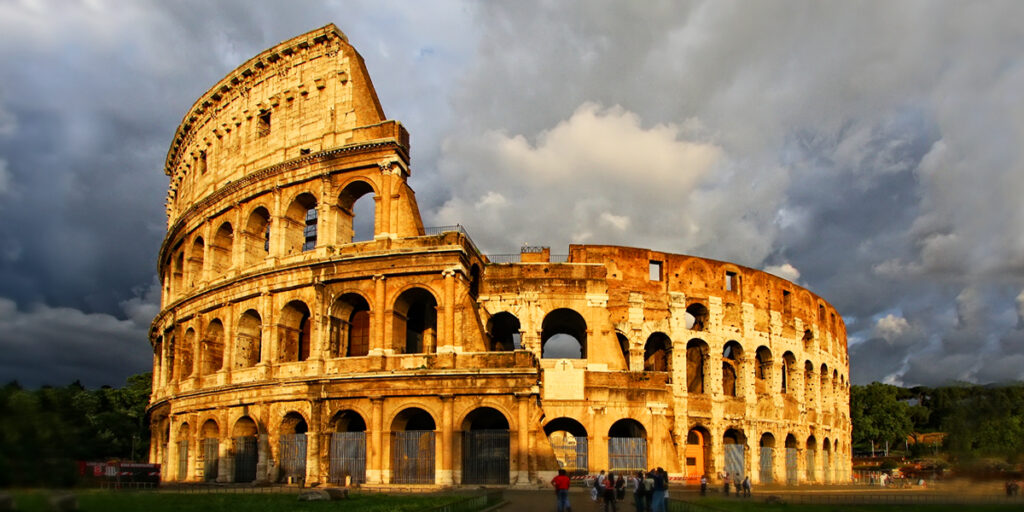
[[249, 451], [258, 235]]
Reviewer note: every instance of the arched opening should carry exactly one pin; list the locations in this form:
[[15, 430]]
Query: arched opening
[[299, 224], [789, 369], [767, 459], [658, 353], [248, 341], [485, 448], [735, 460], [350, 326], [195, 262], [697, 453], [731, 356], [178, 273], [183, 434], [209, 450], [186, 353], [220, 251], [811, 454], [213, 347], [474, 281], [295, 332], [172, 357], [245, 445], [791, 460], [563, 335], [356, 205], [348, 448], [627, 446], [826, 461], [824, 385], [696, 362], [762, 370], [808, 383], [412, 447], [503, 332], [696, 317], [158, 367], [257, 236], [292, 448], [568, 439], [623, 347], [415, 317], [808, 340]]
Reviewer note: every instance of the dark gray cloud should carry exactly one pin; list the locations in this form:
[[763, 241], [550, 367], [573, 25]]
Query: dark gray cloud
[[869, 151]]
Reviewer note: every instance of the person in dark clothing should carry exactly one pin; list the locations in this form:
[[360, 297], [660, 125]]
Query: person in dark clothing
[[609, 492]]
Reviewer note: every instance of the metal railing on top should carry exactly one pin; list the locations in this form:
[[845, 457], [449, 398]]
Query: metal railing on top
[[517, 258], [456, 228]]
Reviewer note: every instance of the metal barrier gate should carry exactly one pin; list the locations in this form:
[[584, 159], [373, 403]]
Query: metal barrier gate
[[767, 463], [734, 461], [571, 454], [293, 457], [810, 466], [210, 448], [485, 457], [182, 461], [412, 457], [348, 457], [627, 454], [791, 466], [246, 458], [826, 469]]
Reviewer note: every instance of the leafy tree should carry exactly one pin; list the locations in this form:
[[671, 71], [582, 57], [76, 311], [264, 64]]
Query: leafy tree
[[878, 414]]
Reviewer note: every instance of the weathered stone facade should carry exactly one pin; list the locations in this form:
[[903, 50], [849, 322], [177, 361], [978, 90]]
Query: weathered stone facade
[[285, 349]]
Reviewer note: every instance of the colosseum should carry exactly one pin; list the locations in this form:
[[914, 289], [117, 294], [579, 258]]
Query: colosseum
[[312, 330]]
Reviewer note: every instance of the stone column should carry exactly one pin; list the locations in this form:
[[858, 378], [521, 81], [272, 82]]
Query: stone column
[[447, 343], [379, 331], [375, 449], [445, 474], [383, 221]]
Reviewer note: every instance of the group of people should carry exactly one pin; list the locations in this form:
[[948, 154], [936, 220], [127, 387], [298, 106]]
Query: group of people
[[742, 486], [649, 490]]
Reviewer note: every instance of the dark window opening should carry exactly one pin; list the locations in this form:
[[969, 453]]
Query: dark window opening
[[263, 124], [731, 281], [309, 232]]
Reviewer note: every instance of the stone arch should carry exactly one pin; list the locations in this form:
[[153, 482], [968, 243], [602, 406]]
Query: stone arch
[[347, 420], [792, 452], [245, 448], [789, 369], [249, 340], [696, 366], [186, 357], [767, 458], [826, 460], [415, 321], [697, 317], [220, 249], [299, 224], [811, 453], [213, 347], [350, 321], [486, 447], [563, 332], [623, 341], [697, 273], [347, 448], [697, 453], [627, 446], [295, 332], [569, 441], [195, 262], [504, 332], [257, 236], [184, 435], [292, 444], [412, 446], [732, 355], [358, 216], [209, 449], [763, 370], [733, 443], [178, 272], [658, 353]]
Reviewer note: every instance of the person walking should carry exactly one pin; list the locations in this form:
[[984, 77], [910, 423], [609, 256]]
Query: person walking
[[746, 486], [658, 494], [561, 484], [726, 482], [637, 486], [703, 485], [609, 492]]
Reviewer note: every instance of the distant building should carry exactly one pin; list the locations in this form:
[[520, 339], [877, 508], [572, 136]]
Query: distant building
[[288, 348]]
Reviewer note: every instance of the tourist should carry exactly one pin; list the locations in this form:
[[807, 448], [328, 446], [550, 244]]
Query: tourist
[[703, 485], [637, 486], [609, 492], [596, 488], [726, 482], [620, 488], [746, 486], [658, 494], [561, 484]]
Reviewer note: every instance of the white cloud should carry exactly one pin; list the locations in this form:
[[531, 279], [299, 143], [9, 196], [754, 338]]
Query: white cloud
[[891, 327], [785, 271]]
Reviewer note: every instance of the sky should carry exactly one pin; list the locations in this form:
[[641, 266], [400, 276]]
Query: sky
[[870, 151]]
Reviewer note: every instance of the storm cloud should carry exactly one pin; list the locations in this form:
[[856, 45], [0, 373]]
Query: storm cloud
[[871, 152]]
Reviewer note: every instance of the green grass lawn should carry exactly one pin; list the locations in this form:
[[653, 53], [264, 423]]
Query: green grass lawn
[[732, 505], [149, 501]]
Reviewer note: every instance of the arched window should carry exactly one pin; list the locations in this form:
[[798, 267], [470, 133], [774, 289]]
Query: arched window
[[350, 326], [503, 332], [300, 224], [415, 322], [485, 447], [627, 446], [731, 357], [413, 447], [294, 332], [257, 236], [292, 449], [789, 369], [186, 353], [696, 361], [763, 370], [563, 335], [245, 447], [195, 263], [658, 353], [209, 448], [356, 204], [220, 251], [213, 347], [248, 344], [569, 441], [697, 317]]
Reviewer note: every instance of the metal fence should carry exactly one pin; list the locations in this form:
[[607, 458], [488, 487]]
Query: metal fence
[[182, 460], [571, 454], [734, 460], [767, 460], [348, 457], [210, 450], [485, 457], [810, 466], [246, 458], [293, 457], [792, 474], [412, 457], [627, 454]]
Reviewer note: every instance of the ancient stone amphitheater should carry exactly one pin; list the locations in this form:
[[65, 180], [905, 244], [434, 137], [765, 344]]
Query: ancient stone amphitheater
[[294, 344]]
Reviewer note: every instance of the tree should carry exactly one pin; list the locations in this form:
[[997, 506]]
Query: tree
[[878, 415]]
